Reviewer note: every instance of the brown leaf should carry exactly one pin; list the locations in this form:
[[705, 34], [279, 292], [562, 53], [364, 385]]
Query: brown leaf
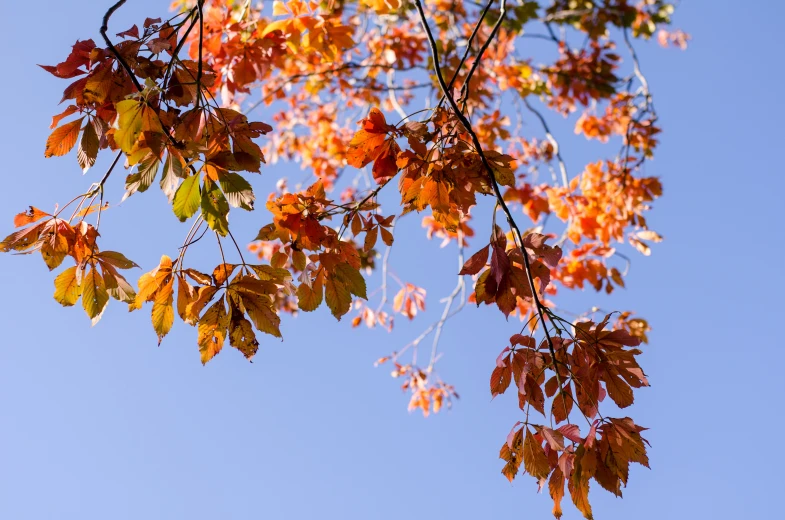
[[212, 330], [477, 262], [534, 460], [500, 379]]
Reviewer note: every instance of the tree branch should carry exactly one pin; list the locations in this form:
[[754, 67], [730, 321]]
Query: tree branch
[[104, 28], [489, 170]]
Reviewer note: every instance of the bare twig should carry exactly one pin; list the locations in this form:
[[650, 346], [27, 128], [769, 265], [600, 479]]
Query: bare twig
[[556, 149]]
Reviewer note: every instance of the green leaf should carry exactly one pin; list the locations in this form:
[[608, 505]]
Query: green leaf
[[237, 190], [187, 199], [215, 209]]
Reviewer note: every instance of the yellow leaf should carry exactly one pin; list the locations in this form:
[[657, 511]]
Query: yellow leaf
[[203, 297], [212, 330], [94, 295], [149, 283], [310, 297], [222, 272], [67, 289], [260, 310], [54, 249], [134, 117], [186, 295], [163, 313]]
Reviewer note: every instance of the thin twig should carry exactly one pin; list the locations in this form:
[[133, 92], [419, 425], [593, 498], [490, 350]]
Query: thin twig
[[556, 149], [104, 28], [101, 188]]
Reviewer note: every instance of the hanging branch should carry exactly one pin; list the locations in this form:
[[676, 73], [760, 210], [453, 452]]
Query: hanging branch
[[486, 164], [104, 28]]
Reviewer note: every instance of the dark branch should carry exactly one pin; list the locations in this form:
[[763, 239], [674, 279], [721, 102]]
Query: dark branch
[[104, 28], [497, 192]]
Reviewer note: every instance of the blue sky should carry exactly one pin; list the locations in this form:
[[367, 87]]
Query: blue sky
[[100, 423]]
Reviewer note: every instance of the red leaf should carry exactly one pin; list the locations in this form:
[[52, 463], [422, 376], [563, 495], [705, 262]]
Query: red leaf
[[133, 32], [500, 264], [477, 261]]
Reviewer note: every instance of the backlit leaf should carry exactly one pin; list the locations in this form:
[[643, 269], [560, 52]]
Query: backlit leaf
[[63, 139], [187, 198], [94, 295], [67, 289], [212, 330]]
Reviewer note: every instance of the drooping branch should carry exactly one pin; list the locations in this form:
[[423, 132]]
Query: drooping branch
[[486, 164], [104, 28]]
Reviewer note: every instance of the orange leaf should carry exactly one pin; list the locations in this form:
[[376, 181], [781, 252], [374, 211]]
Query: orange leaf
[[63, 139], [28, 217]]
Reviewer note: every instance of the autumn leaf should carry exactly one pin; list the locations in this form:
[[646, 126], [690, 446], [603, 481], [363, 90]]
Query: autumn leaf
[[562, 405], [116, 259], [94, 295], [28, 217], [371, 143], [260, 309], [556, 490], [618, 390], [534, 460], [500, 379], [337, 296], [241, 335], [87, 151], [134, 117], [309, 296], [212, 330], [67, 289], [477, 262], [163, 312], [63, 139]]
